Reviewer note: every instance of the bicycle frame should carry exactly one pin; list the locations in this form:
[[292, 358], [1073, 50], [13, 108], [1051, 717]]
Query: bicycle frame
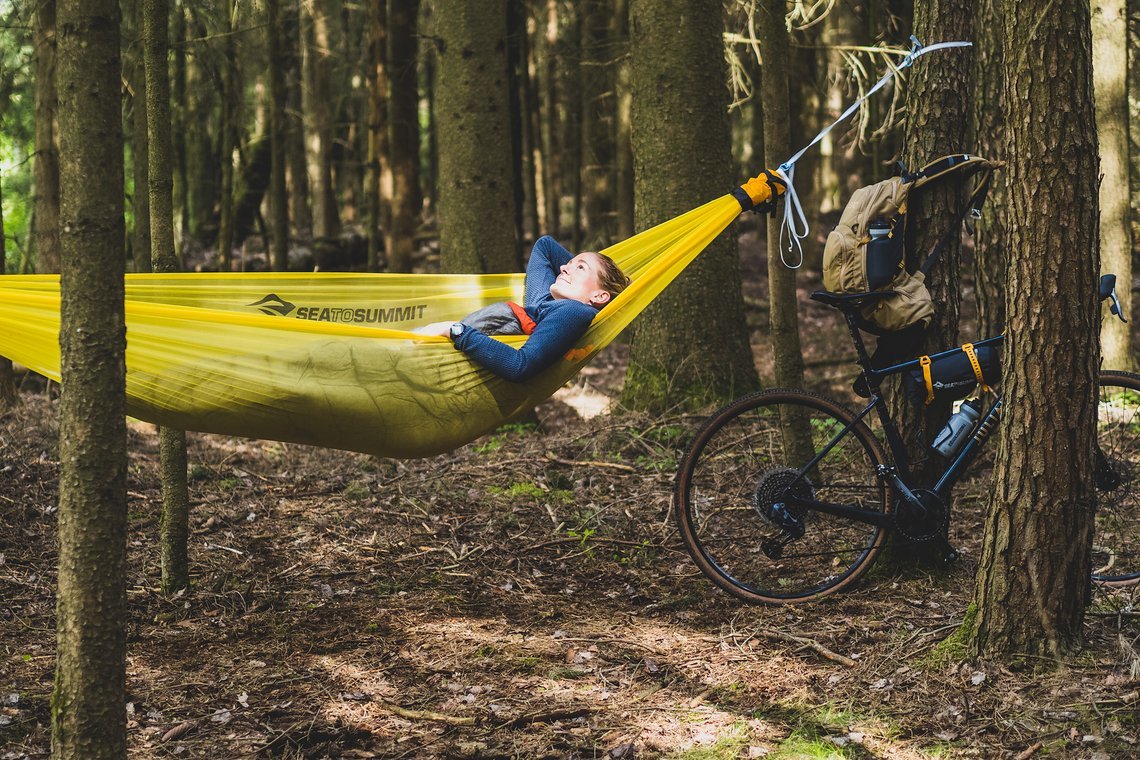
[[898, 475]]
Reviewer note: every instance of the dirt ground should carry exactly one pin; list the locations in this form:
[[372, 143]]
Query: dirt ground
[[524, 597]]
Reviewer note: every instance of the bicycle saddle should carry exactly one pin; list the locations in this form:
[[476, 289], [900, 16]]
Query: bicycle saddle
[[850, 301]]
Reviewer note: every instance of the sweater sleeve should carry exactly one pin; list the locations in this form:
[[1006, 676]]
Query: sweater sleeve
[[546, 258], [554, 336]]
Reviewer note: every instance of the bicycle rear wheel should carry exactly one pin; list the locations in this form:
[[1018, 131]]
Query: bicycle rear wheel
[[746, 458], [1116, 536]]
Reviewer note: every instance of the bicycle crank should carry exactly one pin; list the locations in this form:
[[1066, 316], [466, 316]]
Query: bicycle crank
[[927, 520]]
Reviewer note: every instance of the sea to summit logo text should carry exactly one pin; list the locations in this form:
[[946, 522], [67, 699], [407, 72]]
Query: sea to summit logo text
[[274, 304]]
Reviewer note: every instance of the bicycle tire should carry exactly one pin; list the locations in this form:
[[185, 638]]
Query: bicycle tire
[[1116, 535], [736, 464]]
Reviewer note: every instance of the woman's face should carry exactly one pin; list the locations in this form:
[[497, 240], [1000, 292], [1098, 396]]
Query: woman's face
[[578, 281]]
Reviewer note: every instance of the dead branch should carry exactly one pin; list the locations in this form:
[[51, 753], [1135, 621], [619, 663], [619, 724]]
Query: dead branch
[[812, 644], [403, 712]]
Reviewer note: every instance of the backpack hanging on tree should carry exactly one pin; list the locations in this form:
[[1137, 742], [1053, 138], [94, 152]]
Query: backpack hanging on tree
[[865, 250]]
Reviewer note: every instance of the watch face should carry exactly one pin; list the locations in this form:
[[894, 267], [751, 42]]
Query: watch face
[[457, 329]]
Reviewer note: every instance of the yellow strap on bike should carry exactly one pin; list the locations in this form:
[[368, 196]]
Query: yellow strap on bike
[[968, 348], [926, 378]]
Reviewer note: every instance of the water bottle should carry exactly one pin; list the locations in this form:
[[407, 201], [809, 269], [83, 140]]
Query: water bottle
[[884, 254], [958, 428]]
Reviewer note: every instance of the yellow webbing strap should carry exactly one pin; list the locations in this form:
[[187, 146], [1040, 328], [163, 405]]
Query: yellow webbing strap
[[926, 378], [975, 365]]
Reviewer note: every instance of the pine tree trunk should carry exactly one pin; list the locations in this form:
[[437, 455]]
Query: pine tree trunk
[[403, 133], [318, 109], [623, 128], [278, 192], [174, 525], [938, 109], [476, 193], [45, 219], [140, 201], [597, 109], [229, 132], [526, 116], [8, 395], [783, 317], [1033, 574], [990, 235], [692, 341], [88, 699], [300, 212], [552, 186], [570, 126], [1110, 69], [378, 205]]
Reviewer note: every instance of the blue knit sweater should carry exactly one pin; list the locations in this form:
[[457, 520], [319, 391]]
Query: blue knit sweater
[[559, 322]]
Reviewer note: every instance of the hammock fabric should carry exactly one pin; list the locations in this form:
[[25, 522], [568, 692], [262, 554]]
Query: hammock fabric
[[325, 359]]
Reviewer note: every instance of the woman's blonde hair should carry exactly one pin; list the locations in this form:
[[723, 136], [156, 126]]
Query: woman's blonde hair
[[610, 277]]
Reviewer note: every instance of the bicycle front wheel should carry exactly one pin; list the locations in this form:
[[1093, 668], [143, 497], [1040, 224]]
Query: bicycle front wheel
[[1116, 536], [742, 466]]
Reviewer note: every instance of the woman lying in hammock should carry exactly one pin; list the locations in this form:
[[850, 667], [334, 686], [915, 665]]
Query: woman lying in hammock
[[563, 293]]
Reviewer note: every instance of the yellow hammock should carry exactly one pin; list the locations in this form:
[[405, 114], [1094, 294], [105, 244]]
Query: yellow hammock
[[326, 359]]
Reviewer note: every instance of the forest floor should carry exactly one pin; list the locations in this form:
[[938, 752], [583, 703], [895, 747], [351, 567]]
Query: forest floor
[[526, 596]]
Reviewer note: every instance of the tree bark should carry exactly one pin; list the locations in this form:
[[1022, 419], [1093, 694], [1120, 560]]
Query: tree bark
[[990, 232], [318, 109], [230, 113], [597, 114], [174, 525], [782, 314], [89, 696], [300, 211], [134, 71], [377, 180], [8, 395], [45, 218], [1034, 566], [692, 341], [938, 111], [623, 128], [403, 133], [476, 193], [278, 191], [549, 55], [1110, 84]]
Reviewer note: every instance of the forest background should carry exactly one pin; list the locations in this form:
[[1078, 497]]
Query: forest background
[[336, 135]]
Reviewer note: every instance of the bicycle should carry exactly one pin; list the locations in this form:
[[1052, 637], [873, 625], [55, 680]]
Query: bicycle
[[786, 495]]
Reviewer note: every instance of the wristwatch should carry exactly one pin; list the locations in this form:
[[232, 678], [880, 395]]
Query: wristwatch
[[456, 330]]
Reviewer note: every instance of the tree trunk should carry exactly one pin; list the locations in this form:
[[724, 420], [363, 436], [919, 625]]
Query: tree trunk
[[938, 111], [8, 395], [692, 341], [301, 213], [1033, 574], [476, 193], [525, 116], [174, 527], [783, 318], [45, 219], [230, 113], [140, 201], [623, 128], [278, 193], [570, 123], [403, 133], [318, 109], [89, 696], [597, 114], [990, 234], [378, 206], [1110, 84], [552, 186]]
